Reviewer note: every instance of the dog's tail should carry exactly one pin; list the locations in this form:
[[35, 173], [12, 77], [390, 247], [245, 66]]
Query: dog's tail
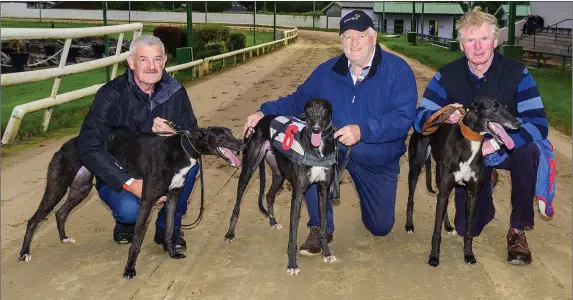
[[262, 180], [428, 165]]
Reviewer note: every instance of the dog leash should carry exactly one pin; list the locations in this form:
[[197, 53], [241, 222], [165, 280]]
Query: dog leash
[[185, 134]]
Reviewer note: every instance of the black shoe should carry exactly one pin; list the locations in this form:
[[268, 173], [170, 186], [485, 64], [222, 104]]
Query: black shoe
[[123, 233], [177, 237]]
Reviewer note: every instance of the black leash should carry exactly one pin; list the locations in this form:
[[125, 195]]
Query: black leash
[[335, 187], [182, 134]]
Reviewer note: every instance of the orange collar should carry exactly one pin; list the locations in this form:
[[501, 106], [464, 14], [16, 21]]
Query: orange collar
[[468, 133]]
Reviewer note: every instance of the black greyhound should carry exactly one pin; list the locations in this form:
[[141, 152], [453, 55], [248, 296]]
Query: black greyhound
[[162, 162], [457, 150], [317, 141]]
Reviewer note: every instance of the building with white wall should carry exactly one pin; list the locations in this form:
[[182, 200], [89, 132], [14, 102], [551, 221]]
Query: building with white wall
[[437, 19]]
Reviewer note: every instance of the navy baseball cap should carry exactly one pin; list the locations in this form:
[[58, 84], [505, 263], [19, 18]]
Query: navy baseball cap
[[357, 20]]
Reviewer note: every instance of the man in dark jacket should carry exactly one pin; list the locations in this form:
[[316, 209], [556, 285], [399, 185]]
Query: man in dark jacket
[[373, 95], [483, 72], [139, 100]]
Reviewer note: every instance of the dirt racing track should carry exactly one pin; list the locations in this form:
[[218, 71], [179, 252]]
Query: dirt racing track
[[254, 266]]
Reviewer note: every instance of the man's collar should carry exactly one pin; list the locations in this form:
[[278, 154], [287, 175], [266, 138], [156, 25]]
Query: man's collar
[[368, 65]]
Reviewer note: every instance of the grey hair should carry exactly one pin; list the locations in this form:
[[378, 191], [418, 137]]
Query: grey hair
[[371, 31], [147, 40]]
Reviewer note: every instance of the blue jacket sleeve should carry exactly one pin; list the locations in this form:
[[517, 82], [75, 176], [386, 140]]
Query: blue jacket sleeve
[[293, 104], [396, 123], [434, 98], [531, 113], [92, 138]]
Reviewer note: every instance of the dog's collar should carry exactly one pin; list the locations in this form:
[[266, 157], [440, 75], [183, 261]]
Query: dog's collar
[[468, 133], [328, 131]]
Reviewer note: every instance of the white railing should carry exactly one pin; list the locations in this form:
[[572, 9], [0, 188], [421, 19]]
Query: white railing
[[205, 66]]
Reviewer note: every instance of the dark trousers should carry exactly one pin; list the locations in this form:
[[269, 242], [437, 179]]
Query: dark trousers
[[125, 205], [376, 187], [522, 164]]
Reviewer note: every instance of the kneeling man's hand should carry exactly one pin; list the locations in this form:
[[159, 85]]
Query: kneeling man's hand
[[349, 134], [136, 188], [159, 125], [251, 122]]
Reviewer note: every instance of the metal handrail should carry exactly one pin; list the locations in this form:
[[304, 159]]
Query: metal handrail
[[547, 28]]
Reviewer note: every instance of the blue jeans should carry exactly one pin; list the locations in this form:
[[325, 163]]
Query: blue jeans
[[125, 205]]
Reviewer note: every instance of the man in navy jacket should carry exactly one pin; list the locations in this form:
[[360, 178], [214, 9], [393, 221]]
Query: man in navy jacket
[[139, 100], [373, 95], [484, 72]]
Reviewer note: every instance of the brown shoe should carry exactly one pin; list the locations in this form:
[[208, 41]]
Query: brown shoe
[[517, 249], [311, 246]]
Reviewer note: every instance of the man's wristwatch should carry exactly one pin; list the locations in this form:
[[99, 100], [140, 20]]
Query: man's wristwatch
[[127, 185]]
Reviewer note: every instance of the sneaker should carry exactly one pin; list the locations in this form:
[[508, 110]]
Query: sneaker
[[517, 249], [311, 246], [178, 239], [123, 233]]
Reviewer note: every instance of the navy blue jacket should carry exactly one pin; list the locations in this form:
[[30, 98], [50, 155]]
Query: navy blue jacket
[[120, 103], [383, 105]]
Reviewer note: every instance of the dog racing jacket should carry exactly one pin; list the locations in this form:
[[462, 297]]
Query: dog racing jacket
[[120, 103], [285, 138], [383, 105]]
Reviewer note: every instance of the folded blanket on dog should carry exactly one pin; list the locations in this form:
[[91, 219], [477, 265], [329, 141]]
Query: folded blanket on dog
[[285, 137]]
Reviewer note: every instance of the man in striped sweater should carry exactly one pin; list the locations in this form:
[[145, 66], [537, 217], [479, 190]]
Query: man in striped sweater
[[484, 72]]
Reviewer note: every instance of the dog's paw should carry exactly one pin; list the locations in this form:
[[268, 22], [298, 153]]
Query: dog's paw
[[68, 240], [470, 259], [129, 273], [329, 259], [25, 258], [434, 261], [277, 226], [410, 229], [293, 271], [177, 255], [229, 238], [452, 232]]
